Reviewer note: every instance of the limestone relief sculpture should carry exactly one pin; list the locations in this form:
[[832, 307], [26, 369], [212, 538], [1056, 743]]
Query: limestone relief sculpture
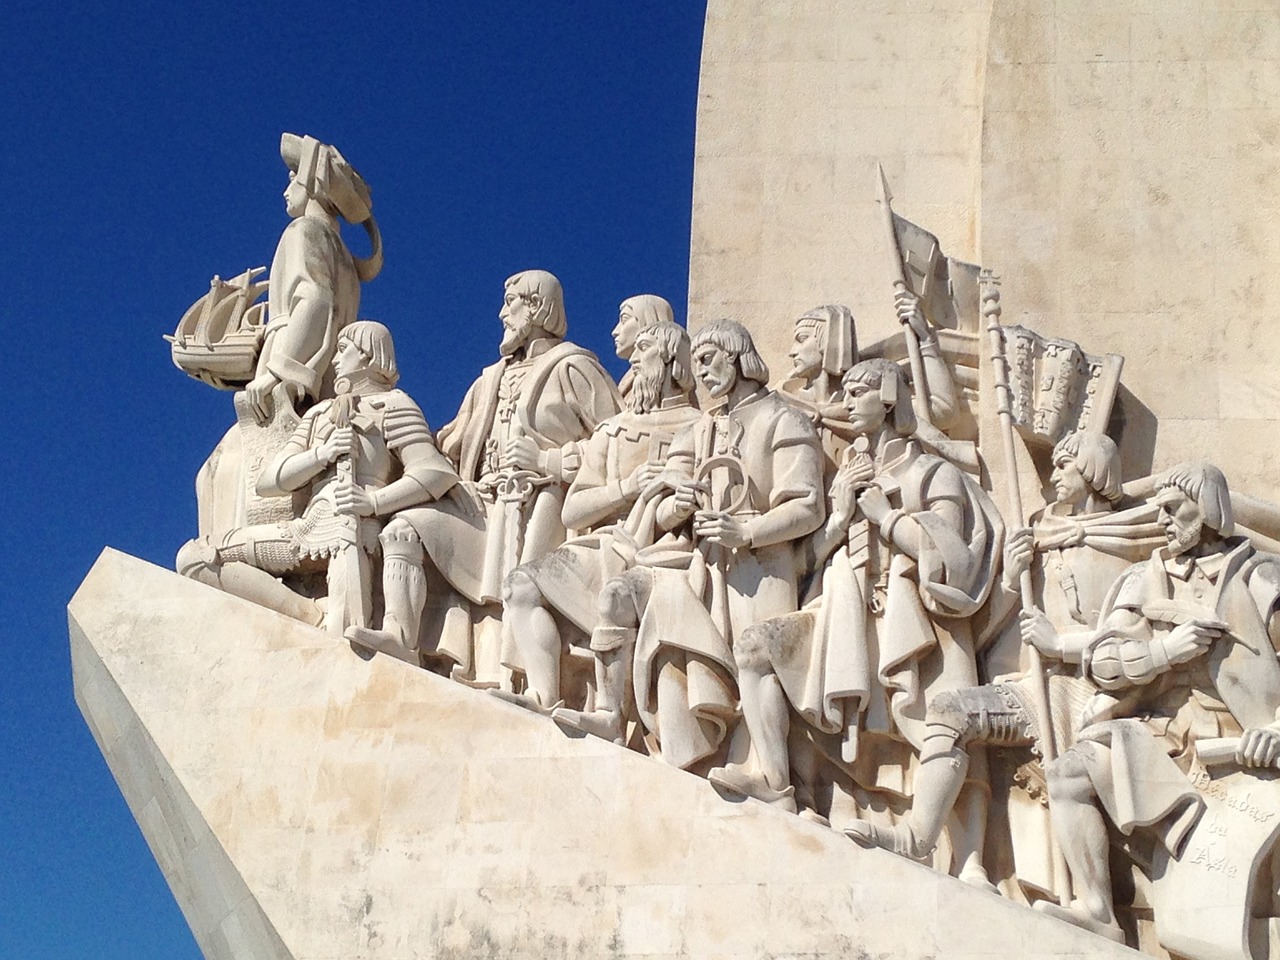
[[806, 594]]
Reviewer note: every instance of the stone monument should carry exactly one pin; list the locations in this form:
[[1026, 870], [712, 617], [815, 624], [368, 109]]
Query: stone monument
[[957, 640]]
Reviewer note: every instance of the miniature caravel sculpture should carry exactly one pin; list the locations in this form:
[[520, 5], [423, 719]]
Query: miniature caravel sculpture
[[806, 594]]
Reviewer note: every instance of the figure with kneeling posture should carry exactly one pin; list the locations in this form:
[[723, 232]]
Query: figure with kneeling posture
[[913, 545], [1076, 548], [372, 428], [620, 461]]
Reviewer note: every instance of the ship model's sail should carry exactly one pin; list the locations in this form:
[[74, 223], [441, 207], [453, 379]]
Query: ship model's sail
[[218, 338]]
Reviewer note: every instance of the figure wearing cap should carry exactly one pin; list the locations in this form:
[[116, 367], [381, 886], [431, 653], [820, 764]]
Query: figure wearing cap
[[1185, 651], [916, 545], [314, 288]]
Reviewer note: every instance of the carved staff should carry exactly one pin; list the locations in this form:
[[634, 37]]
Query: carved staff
[[1035, 669], [350, 580], [883, 197]]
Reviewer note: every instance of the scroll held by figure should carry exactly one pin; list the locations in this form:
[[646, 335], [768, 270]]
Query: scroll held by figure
[[803, 592]]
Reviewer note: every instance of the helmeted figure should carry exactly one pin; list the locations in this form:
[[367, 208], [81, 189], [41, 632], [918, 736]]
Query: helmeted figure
[[1076, 548], [913, 544], [1184, 652], [744, 484], [366, 453], [550, 598], [314, 288], [515, 445]]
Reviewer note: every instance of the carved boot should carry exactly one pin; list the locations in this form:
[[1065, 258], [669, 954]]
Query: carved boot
[[529, 701], [604, 724], [735, 778], [405, 589], [1076, 914], [899, 839]]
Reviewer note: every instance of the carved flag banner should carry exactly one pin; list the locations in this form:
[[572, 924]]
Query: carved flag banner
[[947, 287], [1057, 389]]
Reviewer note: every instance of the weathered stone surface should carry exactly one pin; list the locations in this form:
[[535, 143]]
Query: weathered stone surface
[[1114, 162], [305, 803]]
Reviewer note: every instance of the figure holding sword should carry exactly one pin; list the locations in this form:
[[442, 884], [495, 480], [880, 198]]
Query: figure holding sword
[[364, 454]]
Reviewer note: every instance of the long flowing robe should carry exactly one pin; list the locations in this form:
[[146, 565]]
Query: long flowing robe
[[763, 463], [311, 262], [891, 631], [560, 396]]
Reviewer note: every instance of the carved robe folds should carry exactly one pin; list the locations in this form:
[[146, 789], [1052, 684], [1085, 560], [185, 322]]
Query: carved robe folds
[[312, 264], [702, 598], [891, 631], [557, 396]]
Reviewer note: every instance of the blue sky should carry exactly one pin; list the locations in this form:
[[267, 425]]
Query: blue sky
[[139, 158]]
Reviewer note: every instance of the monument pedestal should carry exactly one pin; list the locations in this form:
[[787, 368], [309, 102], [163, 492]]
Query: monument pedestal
[[303, 803]]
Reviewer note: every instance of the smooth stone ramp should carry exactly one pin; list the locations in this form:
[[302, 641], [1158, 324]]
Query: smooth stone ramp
[[304, 803]]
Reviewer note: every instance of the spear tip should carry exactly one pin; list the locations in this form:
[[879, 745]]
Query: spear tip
[[883, 196]]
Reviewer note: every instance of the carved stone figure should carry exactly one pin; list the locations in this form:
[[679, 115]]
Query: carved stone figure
[[825, 346], [744, 484], [915, 543], [635, 314], [363, 455], [314, 288], [1185, 654], [515, 445], [1077, 547], [620, 461]]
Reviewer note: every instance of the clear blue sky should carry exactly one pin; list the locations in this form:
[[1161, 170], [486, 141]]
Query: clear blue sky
[[139, 157]]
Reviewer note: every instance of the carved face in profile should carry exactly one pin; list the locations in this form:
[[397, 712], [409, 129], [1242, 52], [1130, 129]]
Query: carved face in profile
[[517, 315], [1180, 518], [806, 349], [715, 368], [348, 359], [624, 334], [867, 412], [1069, 484], [295, 198]]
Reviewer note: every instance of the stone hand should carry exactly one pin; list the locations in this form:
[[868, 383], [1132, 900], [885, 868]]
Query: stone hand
[[1189, 640], [686, 497], [340, 443], [1017, 556], [521, 453], [1259, 747], [875, 505], [641, 477], [907, 304], [352, 500], [849, 479], [466, 495], [1038, 632], [721, 528], [258, 393]]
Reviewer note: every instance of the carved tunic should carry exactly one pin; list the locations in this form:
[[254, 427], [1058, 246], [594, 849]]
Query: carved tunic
[[1162, 709], [571, 576], [703, 597], [311, 263]]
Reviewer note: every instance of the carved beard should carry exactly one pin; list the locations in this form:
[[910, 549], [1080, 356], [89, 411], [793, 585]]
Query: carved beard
[[515, 337], [646, 387], [1180, 541]]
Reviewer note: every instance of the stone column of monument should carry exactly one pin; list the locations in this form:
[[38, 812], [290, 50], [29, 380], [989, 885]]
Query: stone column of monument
[[1115, 163]]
